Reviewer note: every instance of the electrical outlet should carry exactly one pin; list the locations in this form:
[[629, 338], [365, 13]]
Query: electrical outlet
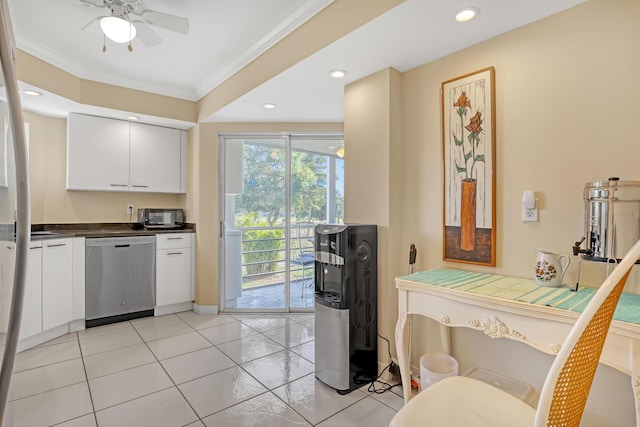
[[530, 215], [129, 209]]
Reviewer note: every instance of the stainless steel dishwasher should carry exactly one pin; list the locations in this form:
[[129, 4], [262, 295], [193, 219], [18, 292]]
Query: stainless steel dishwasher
[[120, 279]]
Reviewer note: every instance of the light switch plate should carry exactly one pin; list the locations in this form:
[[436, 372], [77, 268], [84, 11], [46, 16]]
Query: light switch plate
[[530, 215]]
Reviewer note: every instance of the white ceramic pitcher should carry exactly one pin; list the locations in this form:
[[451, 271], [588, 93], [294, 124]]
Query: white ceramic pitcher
[[549, 269]]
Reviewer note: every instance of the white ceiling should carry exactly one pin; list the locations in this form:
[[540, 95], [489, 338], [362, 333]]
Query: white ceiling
[[225, 35]]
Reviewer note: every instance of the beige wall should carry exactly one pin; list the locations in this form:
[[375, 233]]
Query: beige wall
[[53, 204], [45, 76], [566, 95], [373, 188]]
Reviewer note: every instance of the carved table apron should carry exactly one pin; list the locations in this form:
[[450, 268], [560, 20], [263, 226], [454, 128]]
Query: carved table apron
[[514, 308]]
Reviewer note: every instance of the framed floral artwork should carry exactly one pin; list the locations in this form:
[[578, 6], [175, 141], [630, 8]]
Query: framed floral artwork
[[468, 139]]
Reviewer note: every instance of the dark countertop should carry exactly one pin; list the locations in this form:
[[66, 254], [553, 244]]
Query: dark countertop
[[57, 231]]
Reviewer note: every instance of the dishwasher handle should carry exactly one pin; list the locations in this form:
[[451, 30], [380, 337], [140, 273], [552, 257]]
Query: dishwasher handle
[[122, 246]]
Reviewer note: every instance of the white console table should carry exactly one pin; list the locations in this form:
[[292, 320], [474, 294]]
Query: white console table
[[514, 308]]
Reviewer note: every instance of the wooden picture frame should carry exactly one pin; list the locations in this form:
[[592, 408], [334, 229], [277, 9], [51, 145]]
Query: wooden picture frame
[[468, 142]]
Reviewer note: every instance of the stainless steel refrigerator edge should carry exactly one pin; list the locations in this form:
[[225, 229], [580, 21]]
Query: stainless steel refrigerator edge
[[14, 198]]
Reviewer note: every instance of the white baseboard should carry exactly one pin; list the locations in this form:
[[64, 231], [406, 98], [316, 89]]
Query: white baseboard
[[172, 308], [48, 335], [77, 325], [205, 309]]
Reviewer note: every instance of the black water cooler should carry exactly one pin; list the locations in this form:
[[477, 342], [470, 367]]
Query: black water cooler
[[346, 301]]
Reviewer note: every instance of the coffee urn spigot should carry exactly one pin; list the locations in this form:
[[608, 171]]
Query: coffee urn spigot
[[577, 250]]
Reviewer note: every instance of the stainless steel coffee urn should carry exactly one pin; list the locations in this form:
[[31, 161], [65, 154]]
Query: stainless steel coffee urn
[[612, 220]]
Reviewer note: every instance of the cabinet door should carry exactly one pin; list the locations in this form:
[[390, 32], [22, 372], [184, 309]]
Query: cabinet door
[[173, 276], [155, 159], [97, 153], [8, 266], [32, 306], [57, 280]]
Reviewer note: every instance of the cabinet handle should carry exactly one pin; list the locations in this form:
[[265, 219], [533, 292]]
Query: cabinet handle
[[175, 238], [119, 185], [36, 247], [140, 186], [56, 245], [174, 253]]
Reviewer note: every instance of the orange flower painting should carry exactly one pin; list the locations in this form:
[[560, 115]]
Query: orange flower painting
[[468, 149]]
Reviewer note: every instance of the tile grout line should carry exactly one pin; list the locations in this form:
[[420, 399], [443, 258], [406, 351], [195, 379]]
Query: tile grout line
[[169, 376], [93, 406]]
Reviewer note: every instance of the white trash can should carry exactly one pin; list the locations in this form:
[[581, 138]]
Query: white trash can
[[436, 366]]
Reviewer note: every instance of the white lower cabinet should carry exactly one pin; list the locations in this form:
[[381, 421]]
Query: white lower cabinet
[[57, 280], [48, 291], [174, 268], [32, 302]]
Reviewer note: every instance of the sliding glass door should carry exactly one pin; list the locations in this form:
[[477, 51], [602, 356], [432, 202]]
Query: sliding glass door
[[274, 191]]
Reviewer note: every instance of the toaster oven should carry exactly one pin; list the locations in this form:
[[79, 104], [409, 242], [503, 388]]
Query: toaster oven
[[161, 218]]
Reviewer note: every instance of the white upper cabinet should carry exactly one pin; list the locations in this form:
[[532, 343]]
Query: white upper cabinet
[[115, 155], [97, 154], [155, 159]]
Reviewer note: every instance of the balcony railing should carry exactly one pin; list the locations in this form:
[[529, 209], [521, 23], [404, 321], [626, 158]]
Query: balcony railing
[[264, 251]]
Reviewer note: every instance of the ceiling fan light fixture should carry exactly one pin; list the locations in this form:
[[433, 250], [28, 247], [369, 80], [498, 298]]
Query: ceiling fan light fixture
[[117, 29]]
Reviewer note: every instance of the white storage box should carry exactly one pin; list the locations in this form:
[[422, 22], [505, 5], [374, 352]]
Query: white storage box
[[518, 389]]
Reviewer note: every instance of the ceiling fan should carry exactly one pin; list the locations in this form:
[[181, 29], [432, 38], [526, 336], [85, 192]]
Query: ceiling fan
[[128, 19]]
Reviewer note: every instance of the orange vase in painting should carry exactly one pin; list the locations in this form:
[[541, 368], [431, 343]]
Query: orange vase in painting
[[468, 215]]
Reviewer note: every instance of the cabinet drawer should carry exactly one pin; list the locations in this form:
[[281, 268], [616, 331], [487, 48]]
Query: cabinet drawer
[[173, 240]]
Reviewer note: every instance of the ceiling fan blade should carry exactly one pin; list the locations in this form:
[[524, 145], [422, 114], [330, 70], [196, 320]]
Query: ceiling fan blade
[[92, 21], [95, 3], [165, 20], [145, 34]]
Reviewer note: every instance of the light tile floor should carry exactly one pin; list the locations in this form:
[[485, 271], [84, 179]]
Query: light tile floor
[[187, 369]]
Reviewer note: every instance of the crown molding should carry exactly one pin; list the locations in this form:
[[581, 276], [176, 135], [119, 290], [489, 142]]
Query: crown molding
[[296, 19], [266, 42]]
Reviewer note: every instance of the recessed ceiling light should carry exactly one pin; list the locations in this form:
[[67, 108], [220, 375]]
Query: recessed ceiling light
[[133, 117], [338, 74], [269, 106], [467, 14], [32, 92]]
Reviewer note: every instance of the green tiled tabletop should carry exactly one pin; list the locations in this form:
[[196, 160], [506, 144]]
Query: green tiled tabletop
[[524, 290]]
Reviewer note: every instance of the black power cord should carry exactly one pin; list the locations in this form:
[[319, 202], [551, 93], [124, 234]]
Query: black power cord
[[362, 379]]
